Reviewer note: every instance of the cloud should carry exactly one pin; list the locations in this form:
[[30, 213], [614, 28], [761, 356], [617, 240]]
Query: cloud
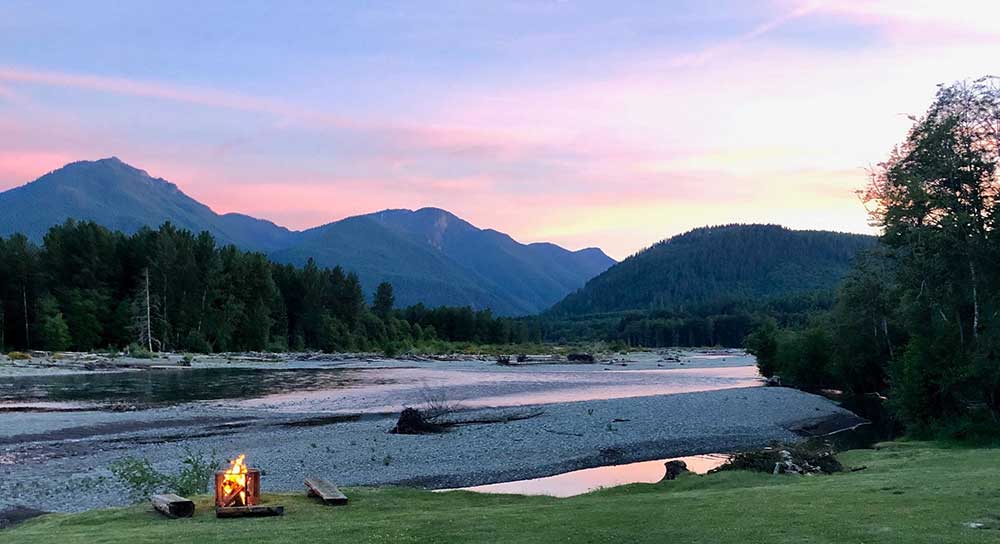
[[924, 21], [727, 46]]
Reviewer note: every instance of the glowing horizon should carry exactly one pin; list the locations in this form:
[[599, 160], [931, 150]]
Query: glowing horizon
[[578, 124]]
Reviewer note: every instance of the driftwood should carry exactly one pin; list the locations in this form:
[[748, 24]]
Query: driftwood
[[413, 421], [248, 511], [173, 506], [326, 491]]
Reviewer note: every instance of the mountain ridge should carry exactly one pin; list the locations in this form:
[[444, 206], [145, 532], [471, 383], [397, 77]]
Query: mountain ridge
[[429, 254]]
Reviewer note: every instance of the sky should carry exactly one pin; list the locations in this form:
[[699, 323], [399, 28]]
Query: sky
[[608, 124]]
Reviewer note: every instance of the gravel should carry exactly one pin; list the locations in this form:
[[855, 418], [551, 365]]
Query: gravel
[[59, 462]]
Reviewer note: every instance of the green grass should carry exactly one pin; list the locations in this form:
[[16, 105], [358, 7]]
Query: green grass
[[910, 492]]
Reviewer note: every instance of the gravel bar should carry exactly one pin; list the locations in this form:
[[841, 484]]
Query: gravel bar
[[72, 451]]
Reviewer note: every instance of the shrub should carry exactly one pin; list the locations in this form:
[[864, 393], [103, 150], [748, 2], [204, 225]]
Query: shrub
[[139, 352], [18, 356], [142, 480], [138, 475]]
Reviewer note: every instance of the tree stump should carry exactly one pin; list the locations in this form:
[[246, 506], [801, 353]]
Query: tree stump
[[674, 469]]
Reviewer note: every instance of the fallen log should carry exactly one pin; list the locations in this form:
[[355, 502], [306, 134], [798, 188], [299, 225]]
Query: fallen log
[[173, 506], [325, 491], [248, 511]]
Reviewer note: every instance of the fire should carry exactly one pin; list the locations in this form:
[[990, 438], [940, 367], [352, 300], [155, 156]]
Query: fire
[[235, 481]]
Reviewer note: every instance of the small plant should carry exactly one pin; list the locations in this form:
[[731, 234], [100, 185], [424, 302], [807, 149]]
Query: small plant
[[138, 475], [142, 480], [196, 471], [18, 356], [139, 352]]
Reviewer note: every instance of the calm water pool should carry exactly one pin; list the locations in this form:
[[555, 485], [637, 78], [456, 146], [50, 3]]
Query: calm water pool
[[171, 386], [583, 481]]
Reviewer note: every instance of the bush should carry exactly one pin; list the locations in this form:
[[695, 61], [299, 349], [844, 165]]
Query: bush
[[18, 356], [139, 476], [139, 352], [142, 480]]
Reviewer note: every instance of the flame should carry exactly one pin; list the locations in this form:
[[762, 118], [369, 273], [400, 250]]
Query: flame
[[236, 479]]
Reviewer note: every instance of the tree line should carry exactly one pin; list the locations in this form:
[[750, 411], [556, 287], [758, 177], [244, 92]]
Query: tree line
[[725, 322], [88, 288], [916, 321]]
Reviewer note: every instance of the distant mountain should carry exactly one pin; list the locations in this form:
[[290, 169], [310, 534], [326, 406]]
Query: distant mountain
[[714, 263], [432, 256], [429, 255], [121, 197]]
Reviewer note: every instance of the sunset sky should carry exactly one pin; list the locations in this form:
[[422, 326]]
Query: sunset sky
[[610, 124]]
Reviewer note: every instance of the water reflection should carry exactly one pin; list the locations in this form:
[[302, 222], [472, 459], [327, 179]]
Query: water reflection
[[583, 481], [172, 386]]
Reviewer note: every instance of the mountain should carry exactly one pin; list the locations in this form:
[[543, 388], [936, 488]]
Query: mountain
[[429, 255], [714, 263], [435, 257], [121, 197]]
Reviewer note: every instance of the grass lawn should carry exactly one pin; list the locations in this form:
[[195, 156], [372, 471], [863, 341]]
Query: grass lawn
[[910, 492]]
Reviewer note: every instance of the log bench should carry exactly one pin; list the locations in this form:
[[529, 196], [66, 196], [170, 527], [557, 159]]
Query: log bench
[[325, 491], [173, 506]]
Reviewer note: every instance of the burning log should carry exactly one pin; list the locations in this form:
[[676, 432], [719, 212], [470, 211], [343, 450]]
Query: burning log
[[237, 492], [173, 506], [237, 486]]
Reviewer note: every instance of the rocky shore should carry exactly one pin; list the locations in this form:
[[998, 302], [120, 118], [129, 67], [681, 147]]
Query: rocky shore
[[42, 455]]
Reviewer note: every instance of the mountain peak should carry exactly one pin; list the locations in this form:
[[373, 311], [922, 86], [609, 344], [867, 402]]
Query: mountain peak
[[430, 255]]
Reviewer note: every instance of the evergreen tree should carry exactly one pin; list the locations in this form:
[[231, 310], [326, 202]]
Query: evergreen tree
[[383, 300], [53, 332]]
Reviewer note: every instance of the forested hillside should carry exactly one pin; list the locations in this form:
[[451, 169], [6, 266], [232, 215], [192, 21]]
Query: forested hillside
[[168, 289], [716, 264]]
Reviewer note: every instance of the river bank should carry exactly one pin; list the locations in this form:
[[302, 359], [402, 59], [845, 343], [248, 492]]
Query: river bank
[[918, 493], [73, 450]]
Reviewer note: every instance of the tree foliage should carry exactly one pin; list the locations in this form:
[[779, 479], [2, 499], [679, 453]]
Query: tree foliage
[[169, 289], [917, 320]]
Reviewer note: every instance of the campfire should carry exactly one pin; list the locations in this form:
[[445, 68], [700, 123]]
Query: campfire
[[238, 486]]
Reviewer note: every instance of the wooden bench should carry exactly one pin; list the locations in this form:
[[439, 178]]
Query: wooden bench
[[173, 506], [325, 491]]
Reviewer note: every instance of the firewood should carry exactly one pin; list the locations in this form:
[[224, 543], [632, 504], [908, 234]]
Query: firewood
[[231, 496], [326, 491], [248, 511], [173, 506]]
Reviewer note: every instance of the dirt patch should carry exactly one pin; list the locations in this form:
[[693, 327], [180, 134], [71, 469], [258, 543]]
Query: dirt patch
[[12, 516]]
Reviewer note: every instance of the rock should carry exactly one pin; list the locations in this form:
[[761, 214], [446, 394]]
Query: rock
[[787, 460], [580, 358], [412, 421], [773, 381], [674, 469]]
